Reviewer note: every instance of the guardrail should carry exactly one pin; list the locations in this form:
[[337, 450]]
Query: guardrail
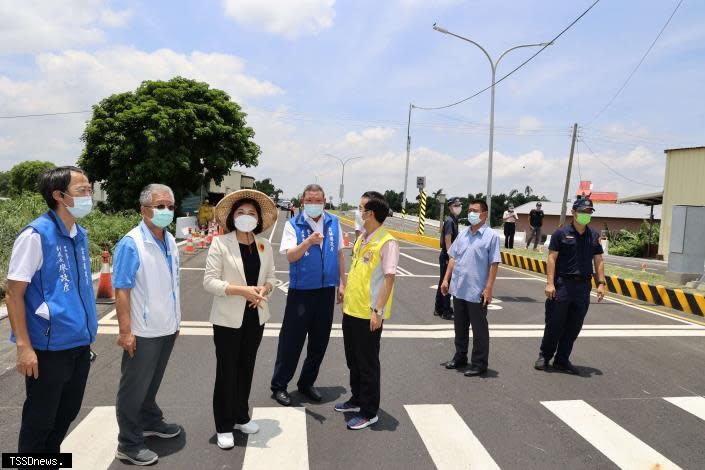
[[654, 294]]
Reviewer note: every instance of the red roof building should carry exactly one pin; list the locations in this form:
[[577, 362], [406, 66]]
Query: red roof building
[[585, 189]]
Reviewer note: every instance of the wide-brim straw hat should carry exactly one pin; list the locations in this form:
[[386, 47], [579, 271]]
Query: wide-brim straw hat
[[269, 210]]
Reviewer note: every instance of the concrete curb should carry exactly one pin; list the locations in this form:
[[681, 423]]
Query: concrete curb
[[653, 294], [410, 237]]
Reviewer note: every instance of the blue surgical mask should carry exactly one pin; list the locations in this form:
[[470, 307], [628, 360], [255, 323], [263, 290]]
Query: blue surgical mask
[[313, 210], [82, 206], [473, 218], [162, 217]]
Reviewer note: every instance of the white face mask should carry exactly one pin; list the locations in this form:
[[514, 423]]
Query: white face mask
[[82, 206], [245, 223], [456, 210]]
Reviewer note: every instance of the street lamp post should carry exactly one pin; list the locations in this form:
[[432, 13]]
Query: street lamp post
[[493, 66], [342, 175]]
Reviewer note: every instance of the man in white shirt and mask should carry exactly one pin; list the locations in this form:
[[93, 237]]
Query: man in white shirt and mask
[[510, 226]]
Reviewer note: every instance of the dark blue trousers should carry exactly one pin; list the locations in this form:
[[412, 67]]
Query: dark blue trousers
[[564, 318], [307, 313]]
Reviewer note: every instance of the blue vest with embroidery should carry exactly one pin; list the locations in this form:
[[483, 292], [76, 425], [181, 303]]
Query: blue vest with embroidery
[[318, 267], [64, 283]]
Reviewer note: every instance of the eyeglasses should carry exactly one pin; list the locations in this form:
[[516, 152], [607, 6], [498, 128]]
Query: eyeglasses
[[161, 207], [80, 192]]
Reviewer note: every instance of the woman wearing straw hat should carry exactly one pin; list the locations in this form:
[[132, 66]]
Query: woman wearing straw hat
[[240, 274]]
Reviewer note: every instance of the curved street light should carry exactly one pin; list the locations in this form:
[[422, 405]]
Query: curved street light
[[342, 176], [493, 66]]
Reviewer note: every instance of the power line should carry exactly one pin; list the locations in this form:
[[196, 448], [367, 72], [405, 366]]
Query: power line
[[19, 116], [643, 57], [615, 171], [429, 108]]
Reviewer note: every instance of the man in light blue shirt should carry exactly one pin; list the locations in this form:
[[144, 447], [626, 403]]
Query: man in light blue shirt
[[470, 277]]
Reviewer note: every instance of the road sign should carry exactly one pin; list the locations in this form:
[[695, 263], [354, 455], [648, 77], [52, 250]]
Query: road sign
[[420, 182]]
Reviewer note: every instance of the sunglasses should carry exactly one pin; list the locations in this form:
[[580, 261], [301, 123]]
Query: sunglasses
[[162, 207]]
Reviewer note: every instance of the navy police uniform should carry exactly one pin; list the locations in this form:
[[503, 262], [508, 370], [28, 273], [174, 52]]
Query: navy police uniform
[[450, 227], [573, 281]]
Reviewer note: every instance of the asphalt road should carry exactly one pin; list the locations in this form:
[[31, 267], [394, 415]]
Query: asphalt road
[[615, 414]]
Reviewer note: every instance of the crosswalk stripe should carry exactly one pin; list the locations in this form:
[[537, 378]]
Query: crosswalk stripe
[[94, 440], [448, 439], [619, 445], [281, 441], [693, 405]]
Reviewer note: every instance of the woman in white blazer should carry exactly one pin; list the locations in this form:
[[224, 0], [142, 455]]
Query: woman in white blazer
[[240, 275]]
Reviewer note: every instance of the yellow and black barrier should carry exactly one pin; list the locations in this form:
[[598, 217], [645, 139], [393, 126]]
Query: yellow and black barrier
[[655, 295]]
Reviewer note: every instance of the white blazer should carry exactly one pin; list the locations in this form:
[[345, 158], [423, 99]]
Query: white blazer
[[223, 267]]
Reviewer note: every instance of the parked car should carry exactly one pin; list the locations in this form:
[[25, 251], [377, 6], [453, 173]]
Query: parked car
[[284, 204]]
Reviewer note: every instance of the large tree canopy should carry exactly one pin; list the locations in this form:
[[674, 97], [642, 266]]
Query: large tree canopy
[[180, 132], [24, 176]]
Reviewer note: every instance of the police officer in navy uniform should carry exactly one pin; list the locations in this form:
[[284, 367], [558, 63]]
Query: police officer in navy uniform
[[573, 250], [449, 232]]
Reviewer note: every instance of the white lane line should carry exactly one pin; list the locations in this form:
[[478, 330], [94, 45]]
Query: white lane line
[[449, 441], [449, 326], [94, 440], [281, 441], [273, 229], [693, 405], [191, 269], [449, 333], [618, 444], [108, 319], [419, 260]]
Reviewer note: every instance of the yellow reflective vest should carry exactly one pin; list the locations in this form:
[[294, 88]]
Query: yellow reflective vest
[[366, 277]]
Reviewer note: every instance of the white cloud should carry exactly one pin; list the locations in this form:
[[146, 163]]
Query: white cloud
[[528, 124], [28, 26], [288, 18], [370, 135], [75, 80]]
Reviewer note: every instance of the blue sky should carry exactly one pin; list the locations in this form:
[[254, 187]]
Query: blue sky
[[326, 76]]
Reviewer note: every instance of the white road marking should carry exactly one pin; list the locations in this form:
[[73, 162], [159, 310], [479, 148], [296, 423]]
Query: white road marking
[[108, 318], [618, 444], [449, 441], [281, 441], [529, 331], [436, 265], [94, 440], [273, 229], [693, 405]]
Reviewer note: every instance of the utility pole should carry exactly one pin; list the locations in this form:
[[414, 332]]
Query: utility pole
[[408, 151], [564, 207]]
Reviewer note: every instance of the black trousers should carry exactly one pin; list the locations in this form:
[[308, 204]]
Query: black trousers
[[307, 313], [443, 301], [564, 318], [475, 314], [362, 356], [141, 377], [509, 229], [53, 399], [235, 353]]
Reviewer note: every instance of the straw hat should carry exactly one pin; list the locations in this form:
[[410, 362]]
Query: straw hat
[[269, 210]]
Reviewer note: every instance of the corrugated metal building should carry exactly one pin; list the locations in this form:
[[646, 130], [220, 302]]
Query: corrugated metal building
[[684, 184]]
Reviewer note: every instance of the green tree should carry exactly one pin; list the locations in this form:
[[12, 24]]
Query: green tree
[[4, 183], [267, 187], [179, 132], [394, 199], [23, 176]]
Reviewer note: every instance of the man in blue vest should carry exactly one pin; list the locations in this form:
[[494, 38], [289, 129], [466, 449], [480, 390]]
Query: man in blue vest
[[312, 243], [51, 305]]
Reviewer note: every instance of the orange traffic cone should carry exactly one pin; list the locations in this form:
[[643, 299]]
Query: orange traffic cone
[[106, 294], [346, 240], [189, 243], [201, 241], [209, 238]]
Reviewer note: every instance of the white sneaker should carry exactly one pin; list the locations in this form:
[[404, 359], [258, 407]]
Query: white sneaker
[[248, 428], [226, 440]]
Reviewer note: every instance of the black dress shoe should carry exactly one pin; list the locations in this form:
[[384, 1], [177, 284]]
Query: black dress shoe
[[541, 363], [282, 397], [474, 371], [455, 363], [566, 367], [448, 316], [312, 393]]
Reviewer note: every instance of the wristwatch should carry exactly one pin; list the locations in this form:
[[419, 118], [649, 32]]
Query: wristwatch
[[604, 283], [375, 311]]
